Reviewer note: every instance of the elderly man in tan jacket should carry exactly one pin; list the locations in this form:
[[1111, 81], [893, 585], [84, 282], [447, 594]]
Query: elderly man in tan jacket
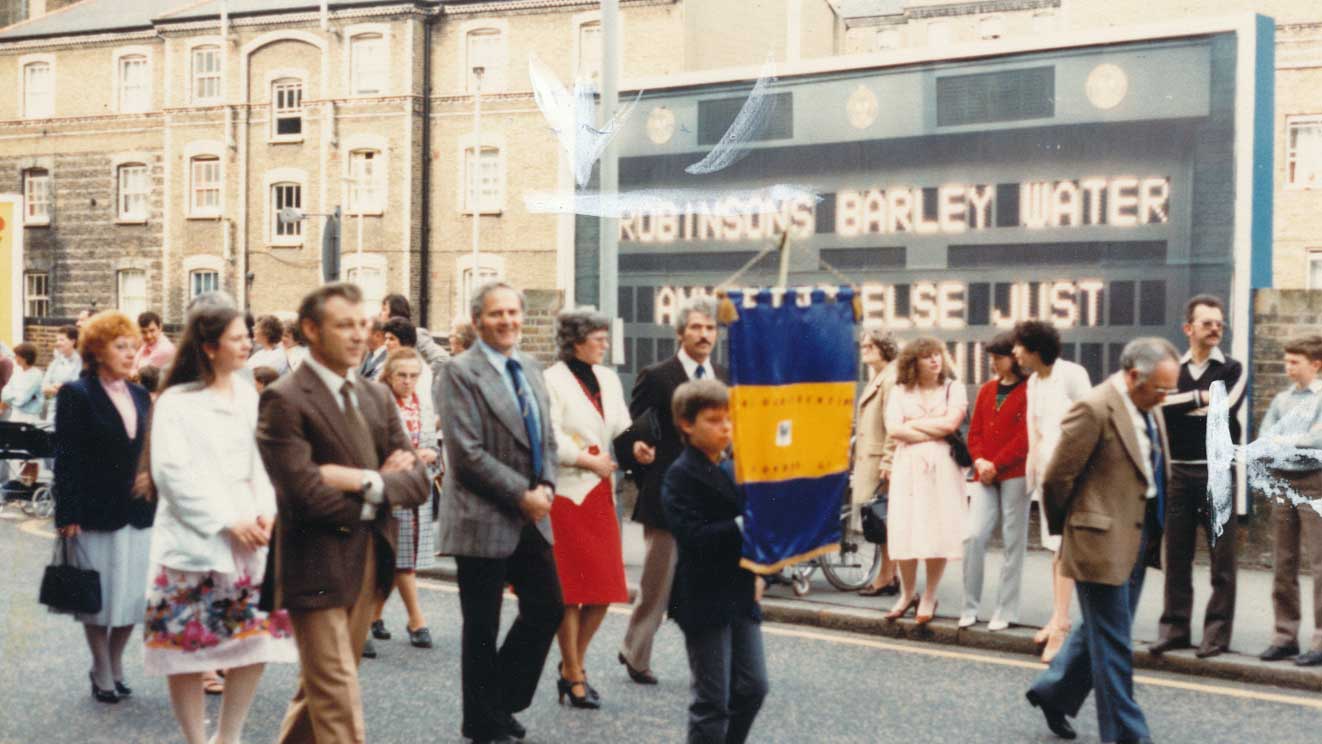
[[1103, 491]]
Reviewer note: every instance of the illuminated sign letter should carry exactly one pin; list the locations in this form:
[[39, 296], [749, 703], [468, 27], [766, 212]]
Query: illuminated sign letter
[[980, 198], [628, 227], [1034, 203], [874, 211], [1122, 202], [1093, 188], [950, 305], [922, 304], [899, 205], [1092, 301], [952, 210], [1066, 205], [1153, 198], [922, 225], [846, 214], [803, 216]]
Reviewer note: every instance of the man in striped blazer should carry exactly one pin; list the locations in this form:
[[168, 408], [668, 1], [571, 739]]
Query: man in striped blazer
[[494, 512]]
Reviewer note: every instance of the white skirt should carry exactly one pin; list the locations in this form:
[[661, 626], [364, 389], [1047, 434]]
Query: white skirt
[[122, 558]]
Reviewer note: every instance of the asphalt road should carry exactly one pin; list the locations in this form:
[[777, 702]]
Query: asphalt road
[[825, 687]]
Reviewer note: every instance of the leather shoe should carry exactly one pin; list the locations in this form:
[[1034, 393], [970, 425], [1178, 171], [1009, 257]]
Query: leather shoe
[[515, 728], [369, 650], [502, 739], [1056, 720], [1280, 652], [1168, 644], [1312, 658], [641, 676], [1144, 740], [1207, 652]]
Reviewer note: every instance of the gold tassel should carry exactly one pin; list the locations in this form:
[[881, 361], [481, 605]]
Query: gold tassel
[[858, 308], [726, 313]]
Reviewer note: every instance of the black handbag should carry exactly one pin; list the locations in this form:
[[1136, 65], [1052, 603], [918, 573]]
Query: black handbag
[[874, 516], [67, 588], [959, 449]]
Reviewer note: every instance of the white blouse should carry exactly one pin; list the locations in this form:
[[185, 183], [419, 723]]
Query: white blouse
[[1048, 402]]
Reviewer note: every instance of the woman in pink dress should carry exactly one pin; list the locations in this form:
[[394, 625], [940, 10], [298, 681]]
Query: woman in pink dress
[[927, 504]]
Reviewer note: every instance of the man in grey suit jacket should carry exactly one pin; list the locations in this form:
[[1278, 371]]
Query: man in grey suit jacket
[[494, 513]]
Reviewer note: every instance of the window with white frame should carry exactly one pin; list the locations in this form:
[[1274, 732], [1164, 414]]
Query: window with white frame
[[366, 181], [1315, 268], [132, 291], [484, 175], [204, 186], [486, 49], [589, 51], [1303, 153], [134, 83], [133, 191], [36, 196], [206, 73], [38, 90], [36, 294], [371, 280], [287, 108], [467, 283], [286, 196], [202, 281], [368, 64]]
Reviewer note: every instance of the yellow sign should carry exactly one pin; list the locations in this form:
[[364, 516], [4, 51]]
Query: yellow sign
[[11, 269]]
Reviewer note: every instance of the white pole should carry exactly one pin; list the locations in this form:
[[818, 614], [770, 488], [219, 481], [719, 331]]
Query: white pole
[[609, 260], [475, 178]]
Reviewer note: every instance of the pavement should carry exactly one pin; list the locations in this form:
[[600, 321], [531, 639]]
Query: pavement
[[826, 607]]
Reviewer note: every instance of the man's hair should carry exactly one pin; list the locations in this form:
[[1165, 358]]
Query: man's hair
[[1202, 299], [270, 328], [147, 318], [378, 326], [1145, 353], [697, 304], [480, 298], [1039, 337], [906, 373], [291, 327], [696, 396], [403, 330], [265, 375], [1307, 346], [313, 306], [69, 332], [466, 333], [27, 352], [398, 305]]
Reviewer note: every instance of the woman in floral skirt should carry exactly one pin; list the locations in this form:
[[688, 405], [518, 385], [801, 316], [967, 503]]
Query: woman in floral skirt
[[217, 507]]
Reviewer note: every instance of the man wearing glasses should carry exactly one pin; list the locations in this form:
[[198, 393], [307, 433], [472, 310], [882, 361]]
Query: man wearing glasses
[[1188, 505]]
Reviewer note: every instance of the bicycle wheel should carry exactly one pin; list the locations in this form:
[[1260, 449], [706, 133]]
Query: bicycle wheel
[[857, 563]]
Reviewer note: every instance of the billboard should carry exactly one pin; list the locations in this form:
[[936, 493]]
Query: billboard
[[11, 268]]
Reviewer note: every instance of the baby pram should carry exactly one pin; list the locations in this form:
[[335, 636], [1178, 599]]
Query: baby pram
[[26, 445]]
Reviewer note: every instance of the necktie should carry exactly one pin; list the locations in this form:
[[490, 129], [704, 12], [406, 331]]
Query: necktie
[[356, 427], [528, 409], [1158, 470], [699, 373]]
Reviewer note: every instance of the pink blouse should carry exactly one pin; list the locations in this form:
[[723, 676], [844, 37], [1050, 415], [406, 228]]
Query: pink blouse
[[118, 392]]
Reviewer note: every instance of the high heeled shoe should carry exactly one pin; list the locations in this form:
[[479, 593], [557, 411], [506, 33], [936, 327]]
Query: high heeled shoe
[[100, 695], [894, 615], [922, 620], [592, 691], [566, 687]]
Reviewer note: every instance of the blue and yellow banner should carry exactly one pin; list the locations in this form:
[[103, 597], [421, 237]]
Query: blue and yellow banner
[[793, 372]]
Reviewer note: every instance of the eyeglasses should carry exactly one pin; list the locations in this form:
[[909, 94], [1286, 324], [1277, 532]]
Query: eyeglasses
[[867, 345], [1210, 324]]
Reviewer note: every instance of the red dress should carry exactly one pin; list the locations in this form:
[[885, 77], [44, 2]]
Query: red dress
[[588, 553]]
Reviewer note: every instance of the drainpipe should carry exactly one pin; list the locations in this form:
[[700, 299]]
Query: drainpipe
[[424, 230]]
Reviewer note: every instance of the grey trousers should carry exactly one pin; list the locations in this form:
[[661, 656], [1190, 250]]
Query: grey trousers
[[1006, 502], [653, 597], [1295, 529], [728, 683]]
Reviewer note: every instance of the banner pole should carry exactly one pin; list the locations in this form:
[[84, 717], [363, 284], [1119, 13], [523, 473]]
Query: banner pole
[[784, 276]]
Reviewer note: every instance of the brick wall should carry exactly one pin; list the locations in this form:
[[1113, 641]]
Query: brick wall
[[539, 324]]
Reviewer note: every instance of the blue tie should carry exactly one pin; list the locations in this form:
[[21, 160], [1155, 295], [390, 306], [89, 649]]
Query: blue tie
[[1158, 470], [699, 373], [528, 409]]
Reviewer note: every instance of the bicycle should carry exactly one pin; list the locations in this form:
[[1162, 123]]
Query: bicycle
[[850, 569]]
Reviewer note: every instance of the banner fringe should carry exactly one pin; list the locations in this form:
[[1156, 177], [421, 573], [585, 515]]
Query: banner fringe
[[726, 313], [778, 566]]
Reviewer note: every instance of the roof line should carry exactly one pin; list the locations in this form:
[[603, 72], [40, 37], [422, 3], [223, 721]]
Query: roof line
[[57, 11]]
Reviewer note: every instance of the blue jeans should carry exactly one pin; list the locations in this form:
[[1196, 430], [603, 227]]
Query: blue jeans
[[728, 681], [1099, 653]]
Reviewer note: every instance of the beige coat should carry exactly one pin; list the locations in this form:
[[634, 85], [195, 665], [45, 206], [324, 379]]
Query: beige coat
[[871, 445], [1094, 490]]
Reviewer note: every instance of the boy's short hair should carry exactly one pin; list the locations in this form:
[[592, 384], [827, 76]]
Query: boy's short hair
[[1309, 346], [696, 396]]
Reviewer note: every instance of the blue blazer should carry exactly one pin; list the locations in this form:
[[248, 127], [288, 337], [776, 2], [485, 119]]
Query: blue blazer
[[701, 502], [95, 459]]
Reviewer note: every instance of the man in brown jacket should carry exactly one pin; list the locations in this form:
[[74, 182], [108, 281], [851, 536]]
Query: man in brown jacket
[[338, 456], [1103, 491]]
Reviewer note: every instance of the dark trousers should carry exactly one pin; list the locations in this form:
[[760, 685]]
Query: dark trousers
[[728, 671], [1296, 527], [498, 682], [1099, 653], [1187, 509]]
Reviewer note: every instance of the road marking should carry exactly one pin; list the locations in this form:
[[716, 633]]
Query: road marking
[[924, 650]]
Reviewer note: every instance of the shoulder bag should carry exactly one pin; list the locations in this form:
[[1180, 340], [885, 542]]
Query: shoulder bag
[[68, 588], [959, 449], [874, 516]]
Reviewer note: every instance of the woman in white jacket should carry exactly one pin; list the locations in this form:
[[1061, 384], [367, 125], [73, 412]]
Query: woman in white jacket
[[208, 552], [587, 412]]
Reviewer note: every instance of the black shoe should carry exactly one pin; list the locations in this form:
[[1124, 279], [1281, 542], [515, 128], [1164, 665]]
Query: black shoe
[[1280, 652], [1056, 721], [1207, 652], [502, 739], [123, 689], [1312, 658], [585, 701], [1168, 644], [641, 676], [420, 637], [100, 695], [369, 650], [513, 726], [1144, 740], [379, 631]]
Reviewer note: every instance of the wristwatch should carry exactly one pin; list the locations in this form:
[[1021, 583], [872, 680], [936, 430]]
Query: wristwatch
[[366, 484]]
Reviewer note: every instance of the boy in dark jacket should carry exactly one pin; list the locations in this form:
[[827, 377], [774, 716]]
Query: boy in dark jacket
[[714, 600]]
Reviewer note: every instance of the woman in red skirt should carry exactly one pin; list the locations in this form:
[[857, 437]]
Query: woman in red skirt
[[587, 411]]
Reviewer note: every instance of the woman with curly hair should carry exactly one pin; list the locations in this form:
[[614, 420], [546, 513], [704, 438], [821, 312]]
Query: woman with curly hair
[[926, 518], [873, 450]]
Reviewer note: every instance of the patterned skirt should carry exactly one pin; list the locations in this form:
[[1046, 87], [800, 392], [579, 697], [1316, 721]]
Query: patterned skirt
[[198, 621]]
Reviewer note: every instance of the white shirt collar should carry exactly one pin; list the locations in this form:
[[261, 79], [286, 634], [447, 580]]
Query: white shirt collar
[[1314, 387], [691, 365], [332, 381], [1216, 356]]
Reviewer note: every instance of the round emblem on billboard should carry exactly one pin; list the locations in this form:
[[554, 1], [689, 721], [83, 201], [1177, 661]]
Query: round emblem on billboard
[[1107, 85], [660, 125], [862, 107]]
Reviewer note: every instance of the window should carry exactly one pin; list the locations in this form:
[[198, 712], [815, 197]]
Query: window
[[488, 179], [1315, 268], [1303, 154], [36, 294], [38, 90], [367, 181], [589, 51], [133, 191], [286, 196], [287, 108], [485, 273], [36, 197], [132, 285], [202, 281], [368, 64], [134, 84], [206, 74], [371, 280], [486, 49], [204, 175]]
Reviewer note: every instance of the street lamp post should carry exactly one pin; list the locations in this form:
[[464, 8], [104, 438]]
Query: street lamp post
[[475, 176]]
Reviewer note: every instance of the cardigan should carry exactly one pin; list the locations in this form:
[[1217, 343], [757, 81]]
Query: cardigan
[[1000, 436]]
